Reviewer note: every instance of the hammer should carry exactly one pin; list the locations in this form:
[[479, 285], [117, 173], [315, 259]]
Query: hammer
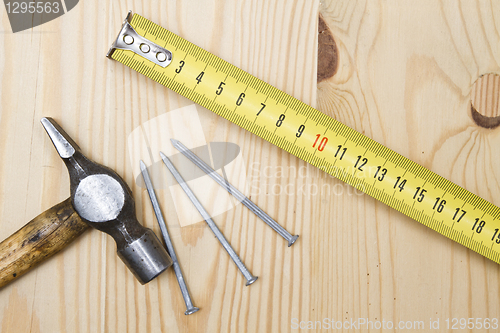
[[100, 199]]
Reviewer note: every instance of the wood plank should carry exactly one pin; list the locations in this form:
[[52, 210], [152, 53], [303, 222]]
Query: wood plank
[[62, 73], [405, 78], [405, 74]]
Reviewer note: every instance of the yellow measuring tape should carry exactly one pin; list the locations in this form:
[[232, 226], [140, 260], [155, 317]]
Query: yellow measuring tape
[[309, 134]]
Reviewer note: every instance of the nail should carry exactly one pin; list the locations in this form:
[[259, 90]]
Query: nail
[[246, 273], [234, 191], [170, 247]]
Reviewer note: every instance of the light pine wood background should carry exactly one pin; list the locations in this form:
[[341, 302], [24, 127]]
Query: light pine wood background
[[405, 77]]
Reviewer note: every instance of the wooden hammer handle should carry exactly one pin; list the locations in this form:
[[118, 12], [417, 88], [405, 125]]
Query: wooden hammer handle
[[42, 237]]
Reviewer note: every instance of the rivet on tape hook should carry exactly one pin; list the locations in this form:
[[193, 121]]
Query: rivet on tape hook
[[129, 39]]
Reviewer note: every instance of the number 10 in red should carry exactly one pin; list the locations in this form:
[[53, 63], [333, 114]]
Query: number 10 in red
[[322, 143]]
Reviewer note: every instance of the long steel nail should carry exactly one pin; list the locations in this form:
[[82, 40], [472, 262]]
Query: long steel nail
[[190, 308], [246, 273], [234, 191]]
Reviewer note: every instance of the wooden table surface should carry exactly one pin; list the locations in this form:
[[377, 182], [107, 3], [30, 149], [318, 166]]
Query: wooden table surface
[[404, 76]]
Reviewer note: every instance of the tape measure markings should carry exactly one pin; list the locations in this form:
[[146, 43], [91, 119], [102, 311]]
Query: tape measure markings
[[397, 181]]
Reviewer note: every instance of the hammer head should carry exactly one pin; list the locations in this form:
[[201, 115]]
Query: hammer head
[[104, 201]]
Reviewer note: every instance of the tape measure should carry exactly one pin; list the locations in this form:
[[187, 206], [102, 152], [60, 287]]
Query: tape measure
[[309, 134]]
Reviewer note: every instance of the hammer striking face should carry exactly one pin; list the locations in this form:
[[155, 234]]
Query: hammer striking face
[[104, 201]]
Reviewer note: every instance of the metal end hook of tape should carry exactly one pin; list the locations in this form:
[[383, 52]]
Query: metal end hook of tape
[[129, 39]]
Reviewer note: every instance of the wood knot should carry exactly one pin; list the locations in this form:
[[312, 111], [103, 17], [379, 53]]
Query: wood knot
[[327, 52], [485, 98]]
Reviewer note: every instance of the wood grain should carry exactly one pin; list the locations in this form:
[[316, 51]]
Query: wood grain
[[63, 73], [485, 96], [405, 78]]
